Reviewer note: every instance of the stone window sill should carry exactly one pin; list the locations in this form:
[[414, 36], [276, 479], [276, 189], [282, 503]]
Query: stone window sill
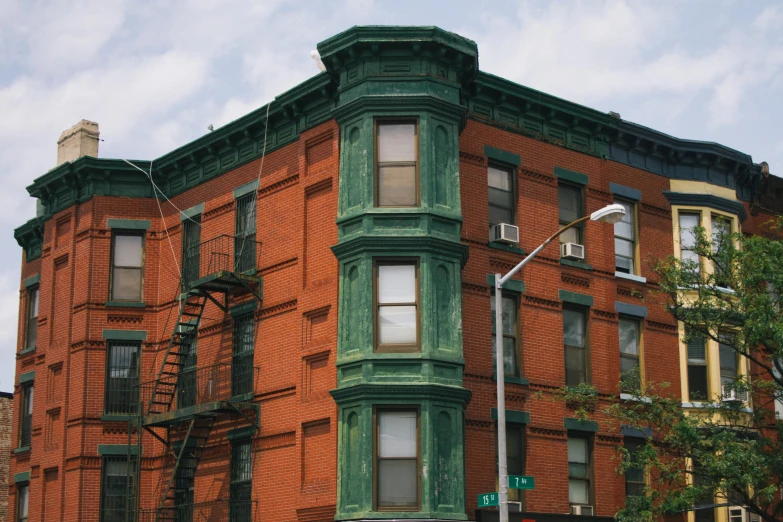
[[27, 351], [575, 264], [631, 277], [23, 449], [507, 248]]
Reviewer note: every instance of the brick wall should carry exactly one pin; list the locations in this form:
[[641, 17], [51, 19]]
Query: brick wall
[[6, 416]]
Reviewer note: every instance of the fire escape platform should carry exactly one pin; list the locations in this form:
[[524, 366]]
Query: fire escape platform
[[208, 409], [225, 281]]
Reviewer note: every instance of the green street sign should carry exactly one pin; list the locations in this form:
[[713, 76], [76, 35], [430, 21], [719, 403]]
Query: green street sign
[[488, 499], [521, 482]]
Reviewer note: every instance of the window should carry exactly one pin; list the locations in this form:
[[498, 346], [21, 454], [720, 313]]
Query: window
[[31, 333], [397, 460], [510, 312], [245, 227], [26, 417], [122, 378], [625, 240], [191, 251], [579, 483], [184, 482], [698, 390], [502, 202], [571, 208], [22, 498], [127, 277], [630, 378], [186, 378], [721, 233], [515, 458], [241, 481], [729, 367], [634, 478], [117, 488], [397, 182], [688, 222], [242, 359], [575, 338], [396, 311], [707, 499]]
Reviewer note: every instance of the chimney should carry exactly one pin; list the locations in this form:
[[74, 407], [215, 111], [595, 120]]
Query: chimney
[[80, 140]]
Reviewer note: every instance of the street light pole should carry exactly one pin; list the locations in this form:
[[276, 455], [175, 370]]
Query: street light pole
[[609, 214]]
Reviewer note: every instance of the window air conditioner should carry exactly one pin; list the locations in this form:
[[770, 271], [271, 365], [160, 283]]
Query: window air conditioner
[[514, 507], [737, 514], [572, 251], [505, 233], [582, 510], [732, 395]]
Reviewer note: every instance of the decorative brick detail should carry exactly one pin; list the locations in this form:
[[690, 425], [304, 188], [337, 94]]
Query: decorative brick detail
[[575, 280]]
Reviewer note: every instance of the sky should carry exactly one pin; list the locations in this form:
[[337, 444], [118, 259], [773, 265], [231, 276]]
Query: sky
[[154, 75]]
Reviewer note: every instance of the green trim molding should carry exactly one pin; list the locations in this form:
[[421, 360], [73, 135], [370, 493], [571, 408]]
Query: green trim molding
[[639, 433], [244, 308], [125, 335], [502, 156], [125, 304], [117, 449], [22, 477], [570, 175], [192, 212], [27, 350], [575, 298], [580, 425], [115, 418], [27, 377], [707, 200], [23, 449], [575, 264], [247, 188], [128, 224], [32, 281], [508, 248], [241, 433], [625, 192], [630, 309], [512, 380], [513, 416], [512, 285]]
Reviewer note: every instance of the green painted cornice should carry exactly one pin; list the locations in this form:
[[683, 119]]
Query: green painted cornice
[[402, 392], [411, 103], [30, 237]]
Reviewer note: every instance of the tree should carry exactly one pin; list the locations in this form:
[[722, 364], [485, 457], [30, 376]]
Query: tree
[[726, 289]]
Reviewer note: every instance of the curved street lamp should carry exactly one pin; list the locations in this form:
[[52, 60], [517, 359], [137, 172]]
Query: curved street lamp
[[608, 214]]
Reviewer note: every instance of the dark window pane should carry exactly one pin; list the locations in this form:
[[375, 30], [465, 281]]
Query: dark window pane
[[573, 327], [629, 336], [570, 203], [499, 215], [697, 383], [697, 350], [397, 186], [499, 179], [126, 284], [728, 361], [575, 366]]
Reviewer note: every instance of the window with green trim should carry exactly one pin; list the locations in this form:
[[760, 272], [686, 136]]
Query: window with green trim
[[515, 458], [127, 262], [511, 334], [575, 342], [191, 251], [26, 415], [396, 306], [502, 195], [396, 178], [122, 378], [245, 232], [625, 240], [570, 200], [397, 460], [580, 484], [634, 476], [241, 485], [117, 488], [630, 351], [22, 501], [31, 328], [242, 359]]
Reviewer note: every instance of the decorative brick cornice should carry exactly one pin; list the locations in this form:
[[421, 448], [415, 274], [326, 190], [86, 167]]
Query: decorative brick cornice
[[575, 280], [472, 158], [268, 190]]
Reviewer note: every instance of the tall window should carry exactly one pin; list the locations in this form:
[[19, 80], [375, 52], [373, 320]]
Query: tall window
[[706, 499], [127, 276], [729, 367], [688, 238], [184, 483], [698, 389], [721, 233], [242, 359], [31, 332], [629, 355], [575, 340], [625, 240], [245, 227], [515, 458], [396, 181], [117, 488], [579, 462], [186, 377], [22, 499], [571, 208], [122, 378], [191, 251], [241, 486], [634, 478], [501, 195], [397, 460], [26, 416], [510, 312], [396, 307]]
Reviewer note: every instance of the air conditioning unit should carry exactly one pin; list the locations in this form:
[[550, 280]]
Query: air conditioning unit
[[733, 395], [505, 233], [572, 251], [586, 511], [514, 507]]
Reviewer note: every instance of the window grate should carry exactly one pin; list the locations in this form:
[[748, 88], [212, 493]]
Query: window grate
[[122, 378]]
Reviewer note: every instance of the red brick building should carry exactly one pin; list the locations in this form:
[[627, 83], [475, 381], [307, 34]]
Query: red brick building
[[289, 318]]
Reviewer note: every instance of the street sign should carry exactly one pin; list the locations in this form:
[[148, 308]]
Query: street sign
[[521, 482], [488, 499]]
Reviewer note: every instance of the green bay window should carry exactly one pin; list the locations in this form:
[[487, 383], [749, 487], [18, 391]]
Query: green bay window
[[397, 176]]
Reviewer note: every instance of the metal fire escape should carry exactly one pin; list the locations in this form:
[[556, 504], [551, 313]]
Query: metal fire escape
[[185, 403]]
